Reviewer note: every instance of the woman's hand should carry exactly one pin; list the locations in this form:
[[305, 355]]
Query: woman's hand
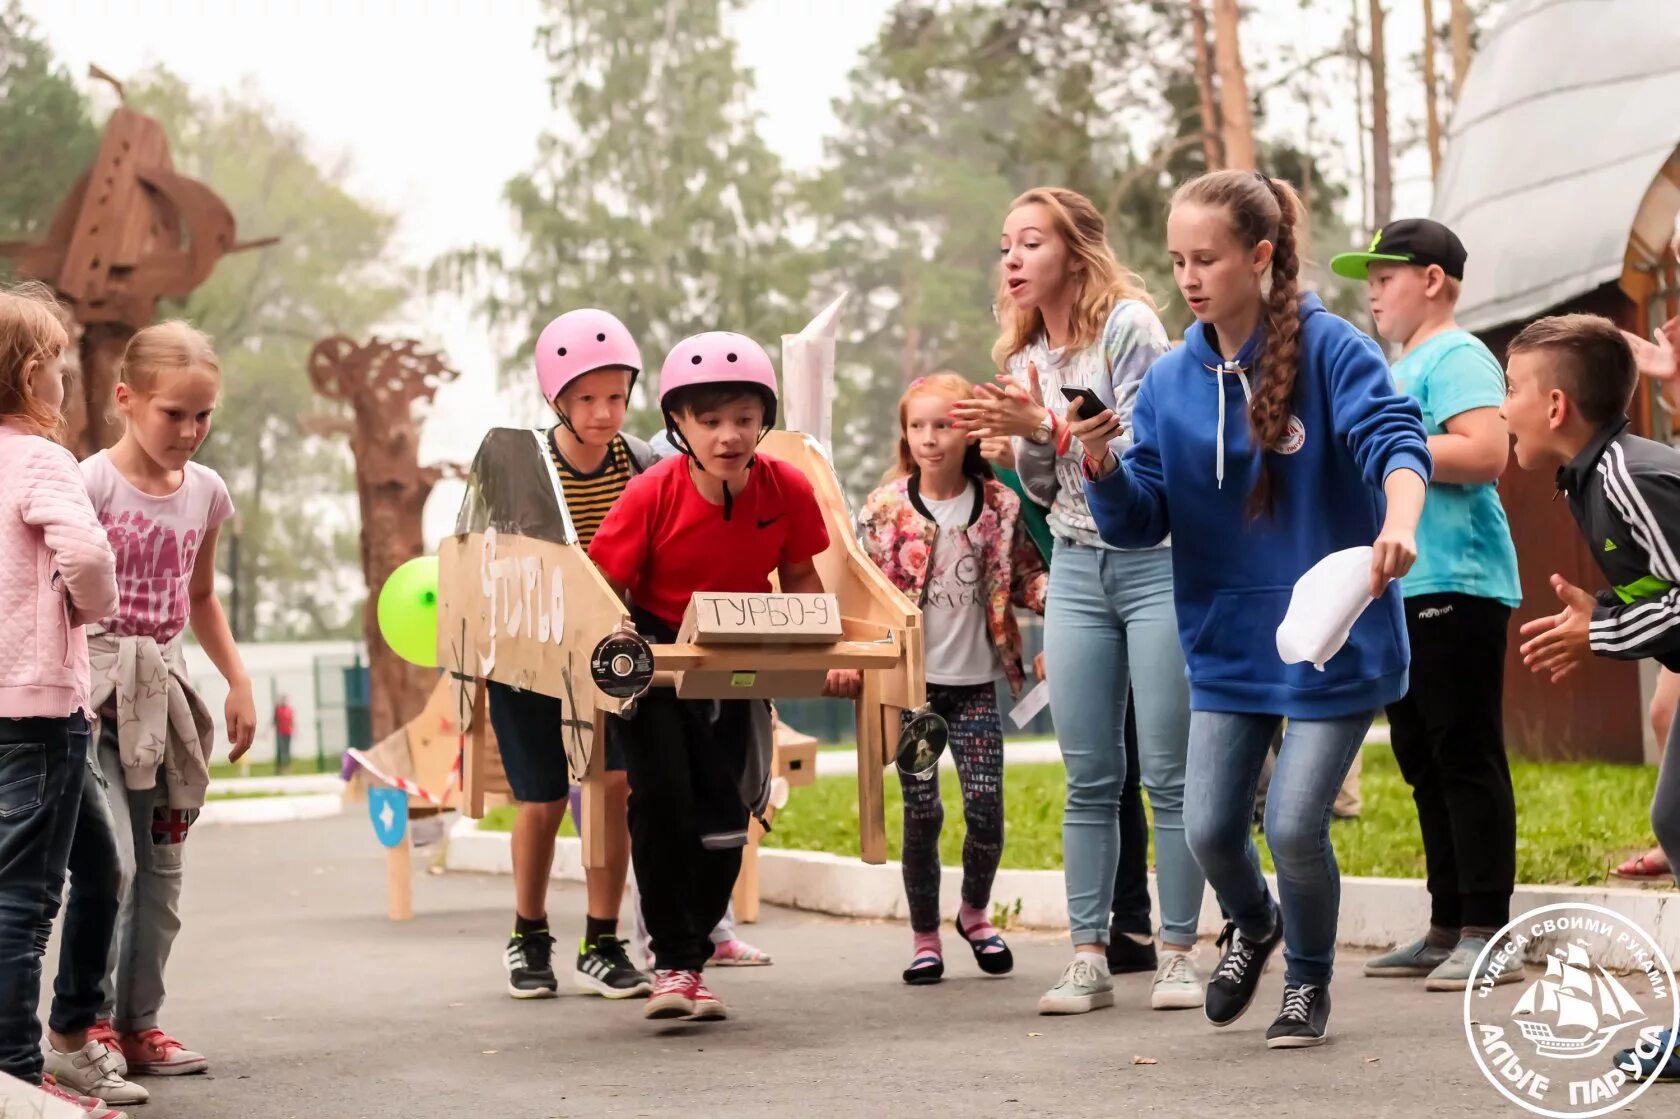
[[1094, 433], [1391, 557], [1004, 409], [240, 713], [998, 450]]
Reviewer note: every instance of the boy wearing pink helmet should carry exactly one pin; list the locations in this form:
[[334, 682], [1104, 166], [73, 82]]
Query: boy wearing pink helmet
[[718, 517], [587, 364]]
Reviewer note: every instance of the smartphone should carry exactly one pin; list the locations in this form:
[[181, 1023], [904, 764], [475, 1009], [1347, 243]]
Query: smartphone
[[1088, 403]]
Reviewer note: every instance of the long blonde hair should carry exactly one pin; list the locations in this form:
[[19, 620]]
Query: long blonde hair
[[31, 330], [172, 346], [1100, 280], [947, 386]]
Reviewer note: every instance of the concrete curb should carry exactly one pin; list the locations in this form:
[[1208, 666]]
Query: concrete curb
[[272, 809], [1375, 912], [290, 785]]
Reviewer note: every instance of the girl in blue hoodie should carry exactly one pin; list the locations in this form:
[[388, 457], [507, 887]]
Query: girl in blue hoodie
[[1273, 437]]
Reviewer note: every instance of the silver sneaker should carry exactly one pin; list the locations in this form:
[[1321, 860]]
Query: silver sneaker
[[92, 1071], [1409, 961], [1082, 988], [1459, 969], [1177, 986]]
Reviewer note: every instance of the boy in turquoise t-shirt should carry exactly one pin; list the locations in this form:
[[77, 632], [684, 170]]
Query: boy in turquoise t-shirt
[[1448, 731]]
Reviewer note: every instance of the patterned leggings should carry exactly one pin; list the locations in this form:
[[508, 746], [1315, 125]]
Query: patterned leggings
[[976, 745]]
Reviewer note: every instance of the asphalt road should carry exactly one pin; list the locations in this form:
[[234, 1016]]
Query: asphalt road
[[310, 1003]]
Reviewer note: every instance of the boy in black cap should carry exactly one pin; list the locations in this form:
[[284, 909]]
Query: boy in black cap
[[1448, 730]]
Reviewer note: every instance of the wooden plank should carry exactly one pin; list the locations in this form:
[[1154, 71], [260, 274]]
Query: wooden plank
[[780, 658], [745, 896], [872, 825], [472, 764], [399, 880], [592, 828]]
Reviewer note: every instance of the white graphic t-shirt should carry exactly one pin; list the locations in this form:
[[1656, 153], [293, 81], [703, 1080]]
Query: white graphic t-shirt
[[959, 650], [156, 540]]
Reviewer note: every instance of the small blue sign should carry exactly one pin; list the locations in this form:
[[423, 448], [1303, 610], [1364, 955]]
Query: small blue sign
[[389, 810]]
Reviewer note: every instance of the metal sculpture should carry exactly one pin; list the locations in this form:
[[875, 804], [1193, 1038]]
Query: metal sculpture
[[131, 232], [381, 382]]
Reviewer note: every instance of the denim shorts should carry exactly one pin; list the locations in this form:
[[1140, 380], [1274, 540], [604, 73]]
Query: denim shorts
[[528, 726]]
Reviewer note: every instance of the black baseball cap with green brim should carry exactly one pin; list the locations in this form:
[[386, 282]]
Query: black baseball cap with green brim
[[1416, 241]]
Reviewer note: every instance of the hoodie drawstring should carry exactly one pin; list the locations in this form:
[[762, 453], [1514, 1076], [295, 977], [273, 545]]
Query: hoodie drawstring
[[1248, 396]]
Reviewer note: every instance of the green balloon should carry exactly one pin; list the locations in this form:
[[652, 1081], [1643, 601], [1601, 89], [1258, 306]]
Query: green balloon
[[408, 609]]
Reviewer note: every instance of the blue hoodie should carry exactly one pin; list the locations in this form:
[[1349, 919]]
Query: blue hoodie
[[1189, 472]]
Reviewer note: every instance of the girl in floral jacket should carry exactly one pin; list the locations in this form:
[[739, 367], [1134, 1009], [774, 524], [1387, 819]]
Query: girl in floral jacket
[[950, 536]]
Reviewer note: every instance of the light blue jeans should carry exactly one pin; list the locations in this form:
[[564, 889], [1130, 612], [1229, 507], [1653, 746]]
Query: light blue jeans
[[1226, 755], [1109, 619]]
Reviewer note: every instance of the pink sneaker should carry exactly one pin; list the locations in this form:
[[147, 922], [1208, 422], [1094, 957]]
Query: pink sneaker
[[738, 953], [94, 1107], [673, 994], [707, 1006], [154, 1053]]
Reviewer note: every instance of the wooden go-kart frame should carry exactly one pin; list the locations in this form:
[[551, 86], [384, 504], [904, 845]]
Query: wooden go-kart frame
[[529, 613]]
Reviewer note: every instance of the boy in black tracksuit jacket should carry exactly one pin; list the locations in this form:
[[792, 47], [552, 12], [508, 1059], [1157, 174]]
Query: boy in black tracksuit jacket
[[1569, 380]]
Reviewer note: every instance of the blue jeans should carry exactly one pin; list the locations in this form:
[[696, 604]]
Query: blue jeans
[[1109, 622], [43, 771], [1226, 755]]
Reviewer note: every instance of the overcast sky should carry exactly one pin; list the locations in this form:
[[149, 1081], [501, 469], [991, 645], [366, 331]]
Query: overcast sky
[[437, 103]]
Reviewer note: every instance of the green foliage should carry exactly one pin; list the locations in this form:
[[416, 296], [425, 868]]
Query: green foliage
[[330, 273], [658, 201], [44, 129], [1574, 818]]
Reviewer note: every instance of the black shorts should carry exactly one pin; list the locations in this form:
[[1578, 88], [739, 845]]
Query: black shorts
[[527, 726]]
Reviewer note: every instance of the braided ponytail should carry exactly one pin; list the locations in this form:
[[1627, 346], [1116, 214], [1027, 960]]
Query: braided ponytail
[[1264, 209]]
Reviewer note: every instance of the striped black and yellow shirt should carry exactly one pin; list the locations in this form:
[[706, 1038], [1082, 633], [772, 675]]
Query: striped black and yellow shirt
[[589, 496]]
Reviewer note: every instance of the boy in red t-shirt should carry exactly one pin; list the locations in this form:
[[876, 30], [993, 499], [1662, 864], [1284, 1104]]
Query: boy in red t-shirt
[[718, 517]]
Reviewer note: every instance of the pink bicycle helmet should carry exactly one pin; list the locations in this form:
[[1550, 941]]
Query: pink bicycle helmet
[[719, 357], [580, 342]]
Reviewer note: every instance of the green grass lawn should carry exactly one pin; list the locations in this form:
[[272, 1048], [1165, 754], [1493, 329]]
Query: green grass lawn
[[1571, 819], [299, 767]]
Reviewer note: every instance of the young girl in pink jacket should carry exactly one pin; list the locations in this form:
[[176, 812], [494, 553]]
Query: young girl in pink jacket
[[57, 573]]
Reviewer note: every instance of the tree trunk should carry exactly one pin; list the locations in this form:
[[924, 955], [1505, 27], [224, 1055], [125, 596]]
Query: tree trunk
[[1431, 110], [1359, 122], [1460, 45], [1382, 167], [1204, 86], [1236, 116], [94, 424]]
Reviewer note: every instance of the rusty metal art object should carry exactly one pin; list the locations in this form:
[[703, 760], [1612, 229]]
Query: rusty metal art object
[[381, 382], [131, 232]]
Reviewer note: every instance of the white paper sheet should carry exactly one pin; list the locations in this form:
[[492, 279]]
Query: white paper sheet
[[1031, 704], [808, 374]]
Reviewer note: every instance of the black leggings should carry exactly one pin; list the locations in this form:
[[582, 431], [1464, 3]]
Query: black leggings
[[976, 745]]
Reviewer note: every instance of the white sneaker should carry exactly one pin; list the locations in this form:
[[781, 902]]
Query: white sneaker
[[92, 1071], [1177, 986], [1083, 987]]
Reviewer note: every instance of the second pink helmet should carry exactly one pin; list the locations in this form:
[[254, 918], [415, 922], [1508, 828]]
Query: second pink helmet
[[719, 357], [580, 342]]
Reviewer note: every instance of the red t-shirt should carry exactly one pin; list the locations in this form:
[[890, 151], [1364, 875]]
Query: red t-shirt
[[662, 540]]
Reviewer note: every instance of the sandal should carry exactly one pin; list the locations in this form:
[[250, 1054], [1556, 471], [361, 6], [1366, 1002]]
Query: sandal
[[926, 968], [992, 954], [1652, 865], [738, 953]]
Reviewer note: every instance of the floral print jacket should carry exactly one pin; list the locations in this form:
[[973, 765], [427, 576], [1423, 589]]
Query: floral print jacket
[[898, 533]]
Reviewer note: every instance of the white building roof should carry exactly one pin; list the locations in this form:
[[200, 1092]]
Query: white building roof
[[1570, 109]]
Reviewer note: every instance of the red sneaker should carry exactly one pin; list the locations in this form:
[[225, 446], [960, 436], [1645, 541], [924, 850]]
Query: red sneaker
[[707, 1006], [93, 1107], [154, 1053], [673, 994], [106, 1034]]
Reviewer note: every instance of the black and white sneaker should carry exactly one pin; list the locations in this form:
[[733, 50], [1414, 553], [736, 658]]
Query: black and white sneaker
[[604, 968], [1304, 1019], [1237, 977], [530, 966]]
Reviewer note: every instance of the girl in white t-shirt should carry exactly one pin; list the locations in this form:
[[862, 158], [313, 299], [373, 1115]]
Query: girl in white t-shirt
[[950, 536]]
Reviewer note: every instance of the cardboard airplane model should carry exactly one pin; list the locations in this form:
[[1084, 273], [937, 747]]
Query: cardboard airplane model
[[520, 603]]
